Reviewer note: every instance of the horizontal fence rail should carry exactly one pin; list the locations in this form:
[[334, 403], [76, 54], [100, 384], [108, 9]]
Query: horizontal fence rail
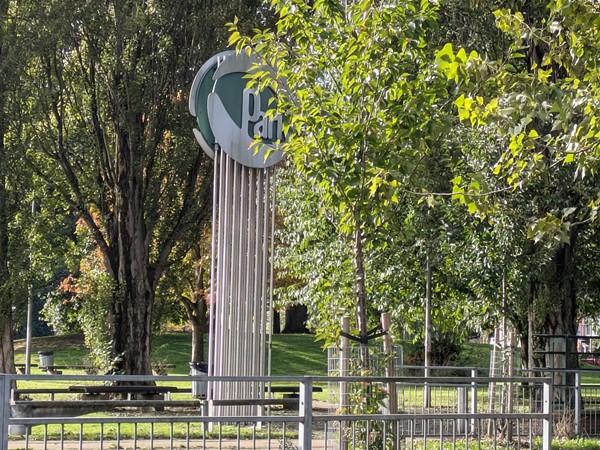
[[131, 412]]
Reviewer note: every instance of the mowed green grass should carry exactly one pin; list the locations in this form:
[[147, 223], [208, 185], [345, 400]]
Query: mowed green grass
[[291, 354]]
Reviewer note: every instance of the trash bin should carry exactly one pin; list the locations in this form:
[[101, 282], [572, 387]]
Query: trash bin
[[46, 359], [199, 369]]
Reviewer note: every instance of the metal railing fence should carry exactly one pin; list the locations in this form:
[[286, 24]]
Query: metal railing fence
[[576, 403], [453, 417]]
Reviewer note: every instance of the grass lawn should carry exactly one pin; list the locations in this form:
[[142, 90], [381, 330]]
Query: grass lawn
[[292, 354]]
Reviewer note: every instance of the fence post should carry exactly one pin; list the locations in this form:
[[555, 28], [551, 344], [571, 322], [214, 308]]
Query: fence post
[[577, 417], [344, 371], [305, 413], [474, 375], [390, 364], [4, 411], [462, 395], [547, 428]]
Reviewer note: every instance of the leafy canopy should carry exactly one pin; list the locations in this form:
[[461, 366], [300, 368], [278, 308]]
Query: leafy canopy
[[355, 84], [365, 108], [542, 100]]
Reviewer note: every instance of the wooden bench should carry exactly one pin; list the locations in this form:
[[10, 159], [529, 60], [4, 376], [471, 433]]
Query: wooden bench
[[290, 398], [290, 391], [73, 408], [95, 398], [96, 392], [131, 391], [108, 404]]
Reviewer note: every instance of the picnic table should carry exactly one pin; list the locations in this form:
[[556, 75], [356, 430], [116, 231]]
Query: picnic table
[[161, 369], [96, 392], [94, 398]]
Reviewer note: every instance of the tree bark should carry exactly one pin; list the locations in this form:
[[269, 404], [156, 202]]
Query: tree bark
[[557, 299], [276, 322], [361, 296], [7, 352], [7, 362], [196, 314], [130, 314]]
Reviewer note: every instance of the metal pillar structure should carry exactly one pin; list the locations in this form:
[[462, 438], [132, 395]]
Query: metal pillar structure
[[234, 130], [239, 296]]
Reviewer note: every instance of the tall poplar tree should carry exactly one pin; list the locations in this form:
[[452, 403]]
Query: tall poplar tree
[[6, 329], [110, 130], [14, 188]]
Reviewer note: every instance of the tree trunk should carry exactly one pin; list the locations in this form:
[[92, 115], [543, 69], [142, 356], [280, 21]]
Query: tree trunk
[[557, 302], [276, 322], [130, 319], [521, 318], [295, 319], [361, 297], [7, 362], [131, 312], [197, 311], [198, 330], [7, 352]]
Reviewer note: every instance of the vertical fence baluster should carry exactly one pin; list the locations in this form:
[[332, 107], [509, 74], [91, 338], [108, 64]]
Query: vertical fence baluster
[[547, 433], [4, 411], [577, 404]]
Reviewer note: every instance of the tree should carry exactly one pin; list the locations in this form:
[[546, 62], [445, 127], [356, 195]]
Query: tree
[[196, 306], [14, 179], [6, 355], [349, 78], [540, 97], [109, 130]]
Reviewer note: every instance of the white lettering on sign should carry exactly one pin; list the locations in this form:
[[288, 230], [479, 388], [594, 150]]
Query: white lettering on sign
[[254, 122]]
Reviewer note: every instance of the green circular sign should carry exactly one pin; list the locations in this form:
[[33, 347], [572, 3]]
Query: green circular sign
[[233, 116], [201, 88]]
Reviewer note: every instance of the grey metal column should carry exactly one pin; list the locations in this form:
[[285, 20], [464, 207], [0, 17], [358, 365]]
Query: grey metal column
[[243, 280]]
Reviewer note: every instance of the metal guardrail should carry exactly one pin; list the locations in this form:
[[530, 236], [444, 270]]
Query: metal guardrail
[[454, 416]]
